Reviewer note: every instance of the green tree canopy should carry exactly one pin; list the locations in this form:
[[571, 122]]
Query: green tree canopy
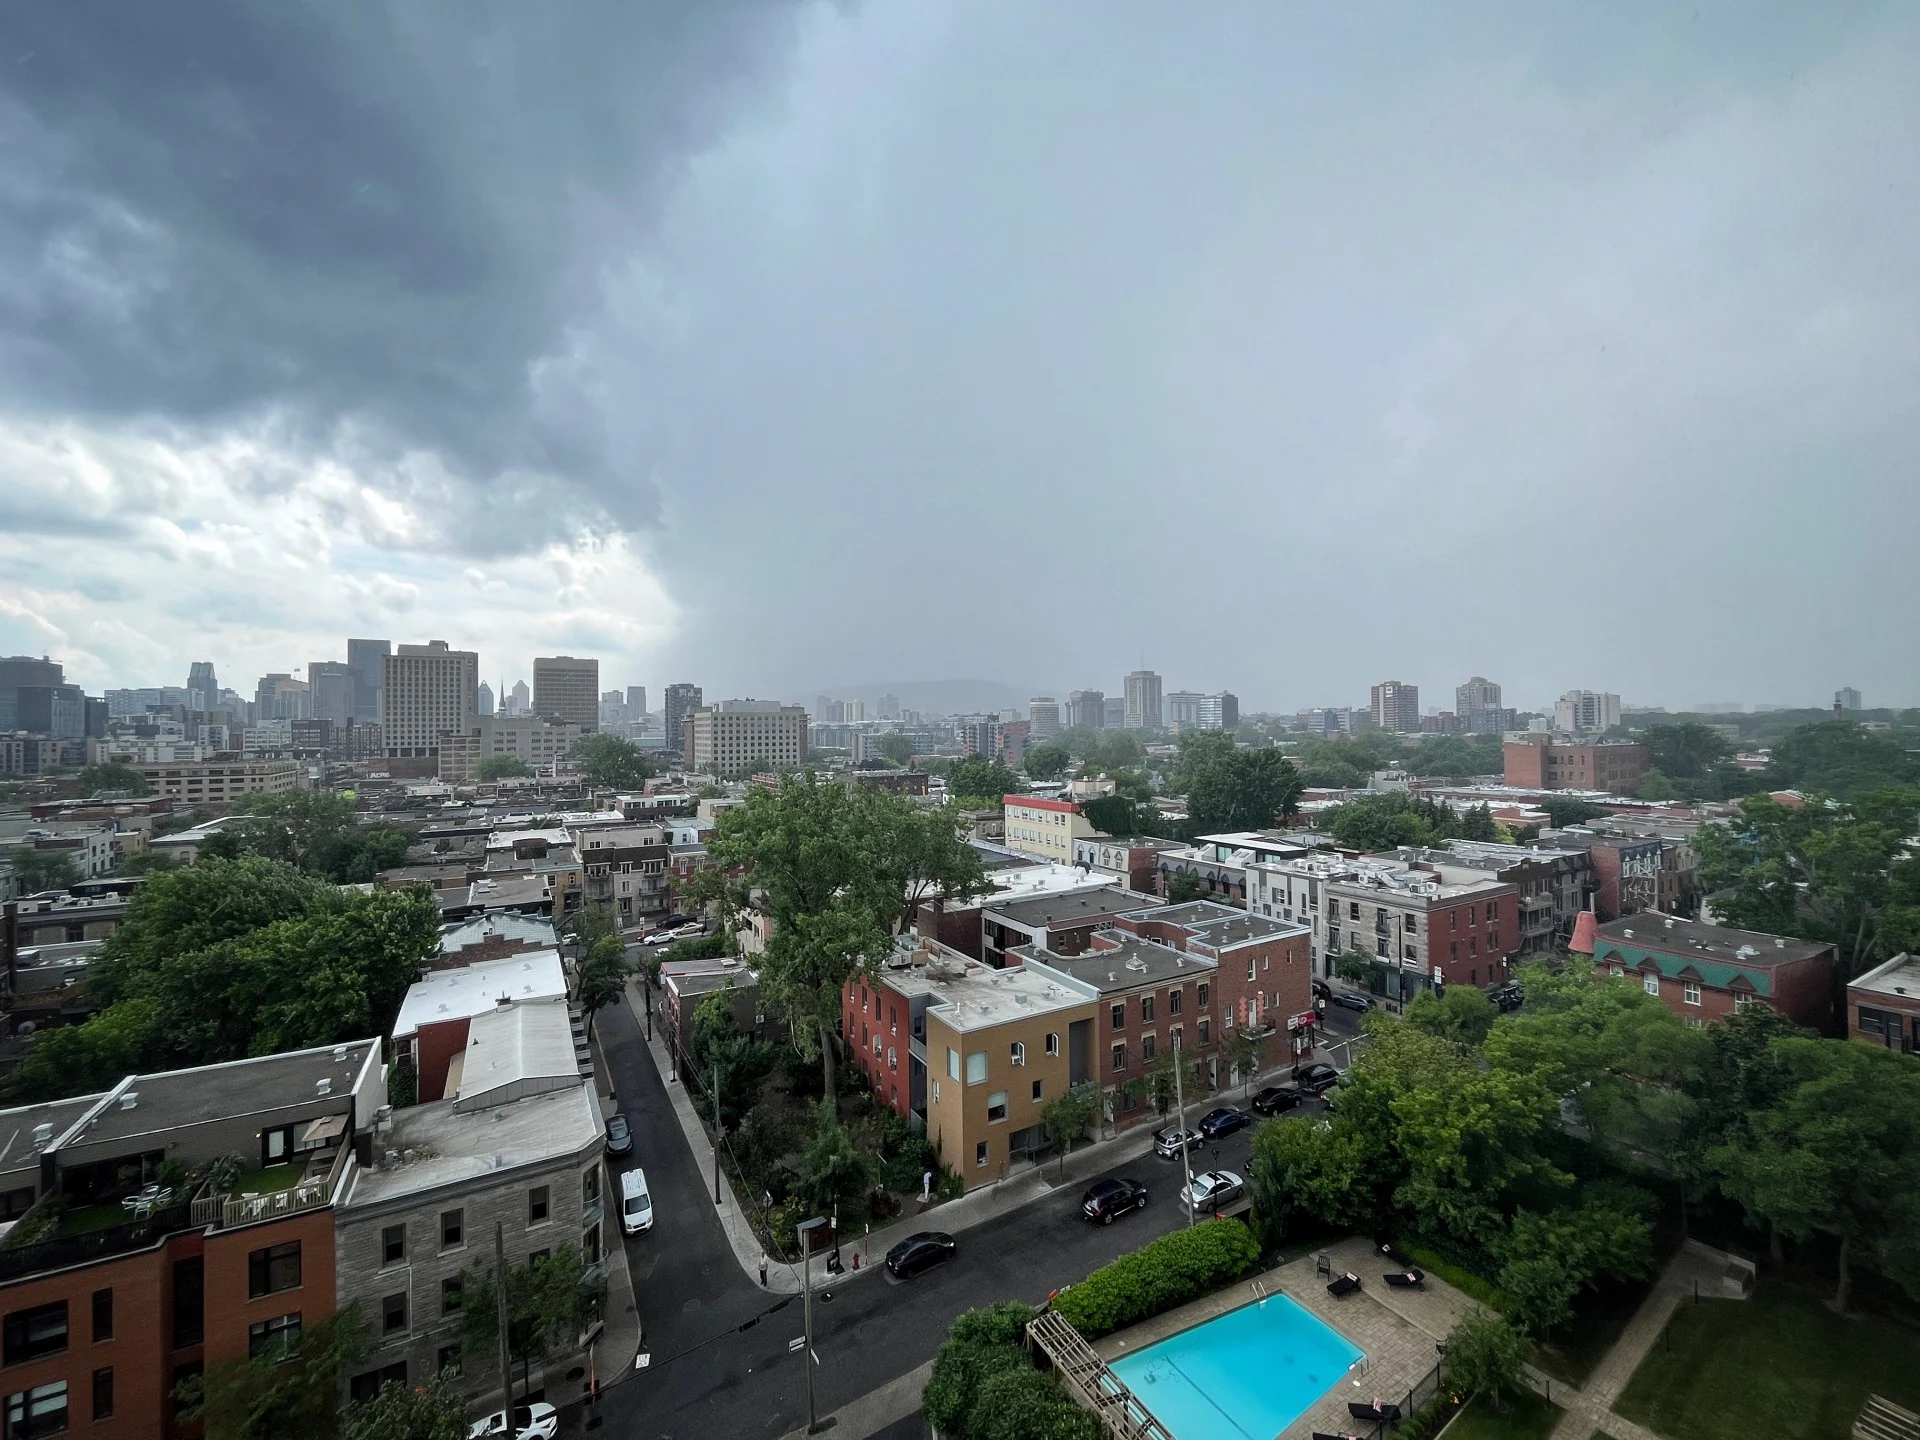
[[1457, 757], [1047, 762], [431, 1410], [36, 870], [1842, 759], [1564, 810], [1232, 789], [549, 1302], [610, 763], [110, 779], [897, 747], [1487, 1356], [314, 830], [832, 1169], [284, 1394], [1384, 822], [502, 767], [1463, 1014], [979, 781], [1686, 751]]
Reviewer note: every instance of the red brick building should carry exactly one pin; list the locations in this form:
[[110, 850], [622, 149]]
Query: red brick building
[[1883, 1005], [1541, 761], [1706, 972]]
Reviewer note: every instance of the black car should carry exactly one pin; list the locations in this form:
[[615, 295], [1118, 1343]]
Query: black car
[[1348, 1000], [1315, 1079], [1508, 997], [619, 1135], [1107, 1198], [1223, 1121], [919, 1252], [1276, 1099]]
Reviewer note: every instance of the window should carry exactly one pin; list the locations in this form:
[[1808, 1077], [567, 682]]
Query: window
[[1616, 971], [537, 1205], [452, 1227], [1691, 992], [31, 1334], [393, 1313], [1204, 1027], [39, 1411], [1412, 924], [980, 1154], [977, 1068], [1174, 999], [1250, 962], [1146, 1048], [936, 1092], [1408, 952], [1205, 996], [1453, 919], [1741, 1000], [393, 1244], [102, 1315], [364, 1387], [278, 1338], [1017, 1053], [1650, 982], [274, 1269], [590, 1185], [1053, 1043], [996, 1107], [1353, 910], [1039, 1091], [451, 1295], [1173, 1038], [103, 1393], [1119, 1057], [189, 1284], [1146, 1009], [447, 1357], [953, 1064]]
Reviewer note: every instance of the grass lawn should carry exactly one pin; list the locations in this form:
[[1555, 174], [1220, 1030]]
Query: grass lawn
[[1597, 1322], [80, 1219], [270, 1180], [1781, 1365], [1528, 1417]]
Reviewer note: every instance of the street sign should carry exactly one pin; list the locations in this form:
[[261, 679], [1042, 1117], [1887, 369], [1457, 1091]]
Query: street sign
[[1302, 1020], [795, 1343]]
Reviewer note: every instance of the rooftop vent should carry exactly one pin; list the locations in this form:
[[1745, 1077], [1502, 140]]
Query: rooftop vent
[[340, 1054], [1779, 942], [130, 1099], [323, 1086], [42, 1136]]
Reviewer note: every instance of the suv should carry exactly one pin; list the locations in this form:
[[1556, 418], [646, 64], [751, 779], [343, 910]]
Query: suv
[[1170, 1140], [1508, 996], [1315, 1079], [1352, 1000], [1107, 1198]]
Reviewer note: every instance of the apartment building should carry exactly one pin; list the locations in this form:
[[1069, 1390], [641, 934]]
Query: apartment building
[[1143, 710], [1086, 710], [625, 867], [1189, 710], [536, 742], [1134, 861], [1542, 761], [728, 738], [1554, 885], [1395, 706], [1707, 972], [1043, 716], [138, 1278], [1062, 923], [427, 691], [1045, 829], [676, 704], [566, 690], [1586, 712], [221, 780]]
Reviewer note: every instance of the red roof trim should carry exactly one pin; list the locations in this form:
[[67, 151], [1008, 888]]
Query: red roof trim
[[1039, 802]]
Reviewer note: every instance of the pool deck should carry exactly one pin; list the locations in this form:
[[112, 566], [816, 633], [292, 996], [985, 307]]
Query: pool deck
[[1396, 1328]]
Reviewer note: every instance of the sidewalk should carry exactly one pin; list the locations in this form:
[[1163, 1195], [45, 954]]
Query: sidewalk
[[620, 1336]]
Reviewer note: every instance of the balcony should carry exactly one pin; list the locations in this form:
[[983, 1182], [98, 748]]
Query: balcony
[[76, 1239], [274, 1192]]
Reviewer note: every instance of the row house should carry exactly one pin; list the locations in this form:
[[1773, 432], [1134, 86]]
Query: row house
[[1632, 873], [1706, 972], [1551, 887], [625, 867], [1063, 923], [1134, 860]]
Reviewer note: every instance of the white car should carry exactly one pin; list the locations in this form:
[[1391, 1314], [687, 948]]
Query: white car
[[1213, 1189], [538, 1421], [682, 932]]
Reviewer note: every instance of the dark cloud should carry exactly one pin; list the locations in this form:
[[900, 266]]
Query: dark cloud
[[376, 225]]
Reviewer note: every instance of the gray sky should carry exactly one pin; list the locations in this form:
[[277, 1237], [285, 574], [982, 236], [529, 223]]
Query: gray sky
[[781, 347]]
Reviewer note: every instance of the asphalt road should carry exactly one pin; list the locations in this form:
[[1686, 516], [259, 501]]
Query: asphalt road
[[709, 1377]]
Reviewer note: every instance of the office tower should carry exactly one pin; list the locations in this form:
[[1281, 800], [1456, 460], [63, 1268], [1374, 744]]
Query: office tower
[[1086, 710], [427, 691], [1190, 710], [1579, 711], [483, 699], [1114, 712], [567, 689], [888, 707], [330, 687], [1321, 721], [23, 672], [853, 712], [281, 697], [1477, 708], [729, 737], [978, 735], [636, 703], [203, 689], [519, 699], [1142, 710], [1396, 707], [368, 661], [1043, 717], [1847, 698], [679, 702]]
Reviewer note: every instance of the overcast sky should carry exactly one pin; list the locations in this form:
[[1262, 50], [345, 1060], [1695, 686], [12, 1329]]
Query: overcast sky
[[782, 348]]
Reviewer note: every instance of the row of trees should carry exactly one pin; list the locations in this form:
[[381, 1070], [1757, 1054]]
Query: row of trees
[[1382, 822]]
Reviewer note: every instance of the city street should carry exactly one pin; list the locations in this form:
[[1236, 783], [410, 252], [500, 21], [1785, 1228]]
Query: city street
[[708, 1376]]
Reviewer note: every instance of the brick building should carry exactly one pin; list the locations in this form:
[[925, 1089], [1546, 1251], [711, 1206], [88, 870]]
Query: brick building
[[1540, 761], [1062, 923], [1883, 1005], [1706, 972]]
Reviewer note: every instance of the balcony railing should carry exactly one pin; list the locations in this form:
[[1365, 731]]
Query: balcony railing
[[229, 1212], [91, 1245]]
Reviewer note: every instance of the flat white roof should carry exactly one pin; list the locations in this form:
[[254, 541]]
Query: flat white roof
[[516, 1050], [470, 990]]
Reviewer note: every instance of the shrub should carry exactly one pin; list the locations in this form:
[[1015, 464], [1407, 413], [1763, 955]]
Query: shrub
[[1026, 1405], [1487, 1356], [1002, 1324], [1170, 1271], [959, 1371], [1458, 1276]]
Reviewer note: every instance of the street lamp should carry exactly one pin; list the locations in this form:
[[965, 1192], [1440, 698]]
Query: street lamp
[[805, 1231]]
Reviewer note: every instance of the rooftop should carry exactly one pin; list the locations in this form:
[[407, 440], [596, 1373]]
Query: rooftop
[[1132, 963], [19, 1152], [468, 990], [530, 931], [436, 1145], [516, 1050], [1899, 976], [971, 996], [1063, 909], [1222, 927], [1671, 935]]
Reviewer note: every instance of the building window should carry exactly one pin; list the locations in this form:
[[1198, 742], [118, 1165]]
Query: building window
[[1650, 982], [446, 1358], [996, 1107], [39, 1411], [1616, 971], [537, 1205], [1205, 995], [977, 1068], [1690, 992], [1017, 1053], [278, 1338], [452, 1228], [1412, 924], [1118, 1015], [41, 1331], [189, 1311], [451, 1295], [102, 1315], [1039, 1091], [980, 1154], [1693, 1022], [1174, 999], [590, 1185], [103, 1393], [1741, 1000], [1119, 1057], [1204, 1027], [953, 1064], [1053, 1043], [1146, 1049], [393, 1244], [393, 1313], [274, 1269], [1353, 909], [1146, 1009]]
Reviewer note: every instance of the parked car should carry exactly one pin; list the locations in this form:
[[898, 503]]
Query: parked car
[[1352, 1000], [1107, 1198], [692, 930], [1315, 1079], [919, 1252], [1223, 1121], [1276, 1099], [619, 1135], [636, 1204], [1508, 996], [538, 1421], [1170, 1140], [1213, 1189]]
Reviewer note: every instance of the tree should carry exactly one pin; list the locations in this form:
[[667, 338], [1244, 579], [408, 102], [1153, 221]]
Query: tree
[[1842, 759], [983, 780], [289, 1393], [897, 747], [1023, 1404], [1477, 823], [1550, 1258], [1185, 886], [145, 862], [1047, 762], [1112, 815], [1383, 822], [1355, 966], [741, 1061], [1656, 787], [549, 1302], [1308, 1173], [1457, 757], [1686, 751], [1160, 1087], [1487, 1356], [314, 830], [921, 849], [432, 1410], [832, 1168], [1067, 1117], [1838, 1154], [1463, 1014], [110, 779], [503, 767], [36, 870], [1228, 788], [1564, 811], [604, 969], [610, 763]]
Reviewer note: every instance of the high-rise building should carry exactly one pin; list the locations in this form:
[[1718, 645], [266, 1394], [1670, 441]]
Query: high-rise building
[[977, 735], [427, 691], [1585, 711], [1086, 710], [1190, 710], [566, 688], [734, 735], [679, 702], [281, 697], [1396, 707], [519, 699], [1043, 716], [1328, 721], [368, 661], [854, 712], [636, 703], [888, 707], [203, 689], [1143, 710], [1477, 709], [23, 672], [330, 684], [1113, 711], [483, 699], [1847, 698]]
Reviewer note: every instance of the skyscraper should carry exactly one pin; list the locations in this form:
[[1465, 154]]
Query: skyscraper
[[1477, 707], [519, 699], [1847, 698], [368, 661], [427, 691], [681, 701], [1086, 710], [331, 687], [484, 699], [567, 688], [1396, 707], [1043, 716], [1143, 700], [203, 690], [1579, 711], [636, 703]]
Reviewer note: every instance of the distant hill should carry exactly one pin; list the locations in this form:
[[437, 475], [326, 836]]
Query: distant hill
[[940, 697]]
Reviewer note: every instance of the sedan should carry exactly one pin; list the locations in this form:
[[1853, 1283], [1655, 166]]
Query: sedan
[[1508, 997], [619, 1135], [1276, 1099], [1223, 1121], [919, 1252], [1213, 1189], [1107, 1198], [538, 1421], [1169, 1141], [1350, 1000], [1316, 1079]]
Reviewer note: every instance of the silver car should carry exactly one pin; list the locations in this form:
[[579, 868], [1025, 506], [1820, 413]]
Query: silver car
[[1170, 1140], [1213, 1189]]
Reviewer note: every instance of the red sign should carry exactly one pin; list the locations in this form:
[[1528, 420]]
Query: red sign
[[1302, 1020]]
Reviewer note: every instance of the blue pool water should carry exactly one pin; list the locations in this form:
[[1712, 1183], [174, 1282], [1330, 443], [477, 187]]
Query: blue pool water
[[1245, 1376]]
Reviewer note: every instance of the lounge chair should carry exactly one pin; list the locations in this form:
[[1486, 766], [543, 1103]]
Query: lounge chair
[[1408, 1279], [1345, 1285], [1376, 1410], [1388, 1253]]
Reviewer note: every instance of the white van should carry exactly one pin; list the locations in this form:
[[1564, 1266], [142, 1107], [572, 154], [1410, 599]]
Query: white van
[[636, 1205]]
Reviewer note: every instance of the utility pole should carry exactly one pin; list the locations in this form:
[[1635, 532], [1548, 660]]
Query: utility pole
[[717, 1132], [500, 1316], [805, 1231], [1180, 1125]]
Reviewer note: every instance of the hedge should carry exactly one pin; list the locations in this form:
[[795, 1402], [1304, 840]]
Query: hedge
[[984, 1386], [1171, 1271], [1458, 1276]]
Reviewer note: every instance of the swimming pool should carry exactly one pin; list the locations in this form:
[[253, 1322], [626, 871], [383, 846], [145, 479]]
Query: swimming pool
[[1245, 1376]]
